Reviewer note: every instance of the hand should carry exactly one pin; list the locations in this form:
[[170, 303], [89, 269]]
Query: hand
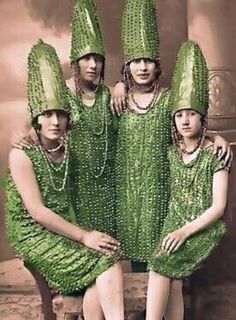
[[22, 140], [101, 242], [174, 240], [222, 149], [118, 100]]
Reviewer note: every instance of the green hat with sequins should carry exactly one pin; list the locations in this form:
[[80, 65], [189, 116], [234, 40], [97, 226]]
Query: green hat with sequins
[[86, 33], [190, 88], [139, 30], [46, 87]]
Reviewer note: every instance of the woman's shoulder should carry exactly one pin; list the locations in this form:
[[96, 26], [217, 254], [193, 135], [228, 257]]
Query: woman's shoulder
[[23, 156], [18, 159], [208, 145]]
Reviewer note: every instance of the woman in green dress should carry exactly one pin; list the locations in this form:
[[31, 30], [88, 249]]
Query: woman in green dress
[[199, 181], [41, 223], [144, 135], [93, 136], [143, 138]]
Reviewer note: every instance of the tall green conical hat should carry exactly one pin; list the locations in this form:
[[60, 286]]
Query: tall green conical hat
[[190, 89], [86, 33], [139, 30], [46, 87]]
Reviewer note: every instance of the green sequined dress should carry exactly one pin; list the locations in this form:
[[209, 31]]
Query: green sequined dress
[[142, 178], [92, 162], [191, 195], [66, 265]]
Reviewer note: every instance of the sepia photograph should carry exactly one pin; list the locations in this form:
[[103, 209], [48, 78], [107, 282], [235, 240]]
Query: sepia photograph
[[117, 159]]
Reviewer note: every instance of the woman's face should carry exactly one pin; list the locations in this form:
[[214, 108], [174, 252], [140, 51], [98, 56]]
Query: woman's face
[[188, 123], [143, 71], [53, 124], [91, 67]]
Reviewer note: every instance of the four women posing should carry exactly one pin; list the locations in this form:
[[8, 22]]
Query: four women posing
[[65, 209]]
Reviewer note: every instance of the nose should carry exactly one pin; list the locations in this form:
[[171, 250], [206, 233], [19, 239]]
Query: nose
[[143, 65], [92, 63], [54, 119], [185, 119]]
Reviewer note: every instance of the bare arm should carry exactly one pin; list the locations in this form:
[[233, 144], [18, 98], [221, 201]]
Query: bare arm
[[118, 102], [24, 177], [220, 188]]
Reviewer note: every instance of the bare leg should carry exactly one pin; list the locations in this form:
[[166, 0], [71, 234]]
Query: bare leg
[[175, 306], [157, 296], [110, 292], [91, 305]]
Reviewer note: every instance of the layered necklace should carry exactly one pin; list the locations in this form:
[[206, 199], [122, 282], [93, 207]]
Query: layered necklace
[[151, 103], [100, 130], [52, 167]]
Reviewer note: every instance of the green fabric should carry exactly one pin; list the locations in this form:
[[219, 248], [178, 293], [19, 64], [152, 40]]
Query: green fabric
[[66, 265], [191, 195], [45, 86], [86, 33], [139, 30], [92, 162], [142, 179], [189, 89]]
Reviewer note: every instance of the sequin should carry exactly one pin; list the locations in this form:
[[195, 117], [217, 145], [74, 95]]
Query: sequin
[[67, 265], [92, 162], [139, 30], [191, 195], [190, 81], [86, 34], [142, 172], [46, 88]]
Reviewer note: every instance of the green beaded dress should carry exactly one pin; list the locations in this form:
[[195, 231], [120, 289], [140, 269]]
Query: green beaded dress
[[92, 162], [66, 265], [191, 195], [142, 173]]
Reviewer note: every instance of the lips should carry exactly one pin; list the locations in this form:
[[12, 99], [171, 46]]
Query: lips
[[91, 73], [143, 75]]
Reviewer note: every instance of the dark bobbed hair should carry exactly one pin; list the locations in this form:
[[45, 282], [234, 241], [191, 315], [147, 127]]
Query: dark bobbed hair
[[126, 73], [37, 126]]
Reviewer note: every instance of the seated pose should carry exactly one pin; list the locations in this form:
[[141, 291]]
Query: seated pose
[[40, 220], [199, 183]]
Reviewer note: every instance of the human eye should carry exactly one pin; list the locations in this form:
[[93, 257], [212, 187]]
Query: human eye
[[47, 114], [61, 114], [136, 61], [87, 57], [178, 114]]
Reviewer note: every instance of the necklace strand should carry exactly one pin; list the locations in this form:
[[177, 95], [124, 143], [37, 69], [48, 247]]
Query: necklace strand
[[100, 102], [191, 151], [150, 104], [50, 166]]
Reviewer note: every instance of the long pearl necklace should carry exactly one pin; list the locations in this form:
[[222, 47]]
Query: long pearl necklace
[[100, 102], [51, 167]]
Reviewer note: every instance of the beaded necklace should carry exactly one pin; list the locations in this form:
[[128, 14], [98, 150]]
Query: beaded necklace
[[156, 96], [99, 102], [100, 131], [51, 167], [193, 150]]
